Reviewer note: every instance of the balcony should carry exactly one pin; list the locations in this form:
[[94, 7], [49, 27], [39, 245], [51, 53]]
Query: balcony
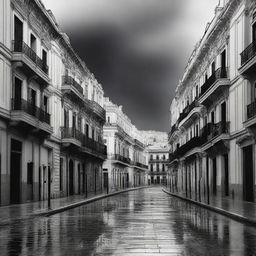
[[190, 114], [161, 160], [158, 173], [214, 87], [71, 137], [251, 115], [29, 116], [138, 164], [214, 136], [26, 59], [95, 148], [74, 89], [121, 159], [96, 109], [248, 60]]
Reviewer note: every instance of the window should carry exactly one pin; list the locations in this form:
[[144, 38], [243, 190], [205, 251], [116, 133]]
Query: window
[[197, 92], [66, 118], [164, 157], [157, 167], [212, 117], [151, 157], [45, 104], [44, 58], [93, 133], [108, 119], [151, 167], [163, 168], [33, 42], [157, 157]]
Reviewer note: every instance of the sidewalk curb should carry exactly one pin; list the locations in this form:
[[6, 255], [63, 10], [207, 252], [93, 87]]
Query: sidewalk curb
[[231, 215], [48, 213]]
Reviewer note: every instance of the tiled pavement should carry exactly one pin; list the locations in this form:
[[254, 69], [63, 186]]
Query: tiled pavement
[[238, 209], [17, 212], [145, 222]]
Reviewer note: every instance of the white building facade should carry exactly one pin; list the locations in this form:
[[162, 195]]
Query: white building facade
[[51, 110], [125, 166], [213, 114]]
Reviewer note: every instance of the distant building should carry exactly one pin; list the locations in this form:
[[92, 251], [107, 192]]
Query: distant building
[[157, 156], [126, 164]]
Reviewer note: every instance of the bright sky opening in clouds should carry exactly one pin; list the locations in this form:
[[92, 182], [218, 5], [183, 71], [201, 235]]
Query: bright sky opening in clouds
[[137, 49]]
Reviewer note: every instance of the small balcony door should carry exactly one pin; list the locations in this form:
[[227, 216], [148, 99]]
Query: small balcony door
[[17, 93], [223, 60], [18, 33]]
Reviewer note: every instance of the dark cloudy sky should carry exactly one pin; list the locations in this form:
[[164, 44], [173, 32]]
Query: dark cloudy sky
[[137, 49]]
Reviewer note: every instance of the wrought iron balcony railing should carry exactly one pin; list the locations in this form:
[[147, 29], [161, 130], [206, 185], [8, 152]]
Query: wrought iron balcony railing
[[248, 53], [71, 133], [220, 73], [122, 158], [251, 110], [20, 46], [27, 107], [68, 80], [187, 110], [141, 165], [94, 145], [211, 131]]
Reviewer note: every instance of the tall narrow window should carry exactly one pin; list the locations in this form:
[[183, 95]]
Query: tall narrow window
[[18, 34], [33, 42], [212, 117], [45, 104], [213, 68]]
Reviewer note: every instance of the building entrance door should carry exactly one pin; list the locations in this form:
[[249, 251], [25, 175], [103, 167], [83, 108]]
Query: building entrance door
[[248, 190], [15, 172], [226, 174], [71, 177], [214, 177]]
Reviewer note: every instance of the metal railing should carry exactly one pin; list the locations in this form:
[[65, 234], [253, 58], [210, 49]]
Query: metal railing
[[208, 132], [121, 158], [97, 109], [71, 133], [220, 73], [248, 53], [31, 109], [187, 110], [71, 81], [141, 165], [20, 46], [94, 145], [251, 110]]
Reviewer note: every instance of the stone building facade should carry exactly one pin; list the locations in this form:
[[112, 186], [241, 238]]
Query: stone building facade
[[125, 166], [51, 110], [213, 114], [157, 156]]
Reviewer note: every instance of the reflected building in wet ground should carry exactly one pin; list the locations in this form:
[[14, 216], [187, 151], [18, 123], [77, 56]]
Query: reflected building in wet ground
[[126, 165], [213, 114], [51, 110]]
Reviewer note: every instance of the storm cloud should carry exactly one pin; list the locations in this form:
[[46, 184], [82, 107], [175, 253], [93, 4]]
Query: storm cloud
[[137, 49]]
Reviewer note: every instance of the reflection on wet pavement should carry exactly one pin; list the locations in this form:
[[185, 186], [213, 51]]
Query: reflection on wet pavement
[[143, 222]]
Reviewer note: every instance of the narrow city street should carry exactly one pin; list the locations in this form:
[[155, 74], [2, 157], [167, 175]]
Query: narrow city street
[[142, 222]]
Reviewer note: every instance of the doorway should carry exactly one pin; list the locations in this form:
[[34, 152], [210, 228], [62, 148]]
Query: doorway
[[79, 179], [15, 172], [71, 177], [226, 175], [214, 176], [248, 179]]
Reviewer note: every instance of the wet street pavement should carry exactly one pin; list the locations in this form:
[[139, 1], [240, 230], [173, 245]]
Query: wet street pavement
[[142, 222]]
